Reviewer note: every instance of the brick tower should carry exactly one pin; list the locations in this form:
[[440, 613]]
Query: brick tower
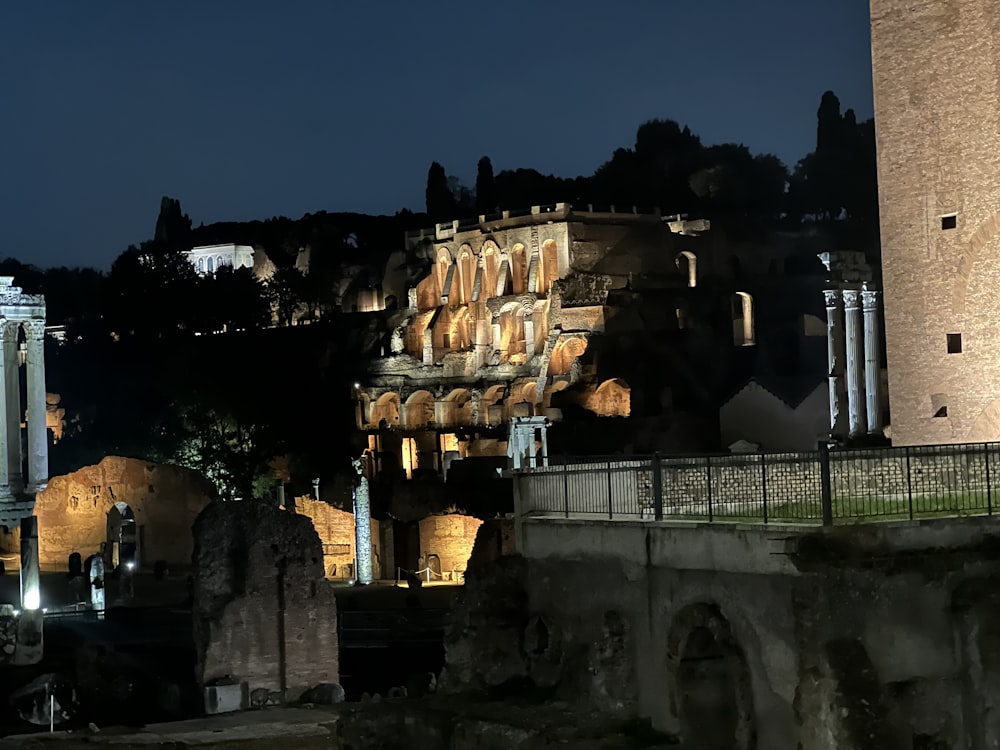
[[936, 67]]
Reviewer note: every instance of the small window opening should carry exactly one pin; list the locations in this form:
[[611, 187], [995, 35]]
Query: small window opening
[[939, 405], [954, 343], [942, 412], [949, 222]]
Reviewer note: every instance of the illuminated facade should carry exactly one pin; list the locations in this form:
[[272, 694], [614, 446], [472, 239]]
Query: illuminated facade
[[937, 114], [208, 259]]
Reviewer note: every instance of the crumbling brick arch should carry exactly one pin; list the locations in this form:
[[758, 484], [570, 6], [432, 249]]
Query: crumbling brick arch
[[711, 698], [566, 351], [986, 233], [687, 264], [490, 259], [519, 269], [419, 410], [550, 266], [385, 409], [492, 396], [466, 274], [443, 261], [511, 319], [459, 411], [613, 398]]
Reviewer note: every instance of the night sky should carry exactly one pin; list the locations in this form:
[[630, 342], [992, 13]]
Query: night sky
[[249, 109]]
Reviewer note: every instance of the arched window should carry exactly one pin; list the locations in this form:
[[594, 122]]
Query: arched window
[[491, 270], [218, 262], [518, 269], [743, 330], [550, 265], [467, 273], [687, 263], [211, 265], [201, 265]]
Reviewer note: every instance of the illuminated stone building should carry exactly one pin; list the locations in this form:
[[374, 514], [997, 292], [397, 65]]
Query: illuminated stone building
[[937, 114], [572, 315]]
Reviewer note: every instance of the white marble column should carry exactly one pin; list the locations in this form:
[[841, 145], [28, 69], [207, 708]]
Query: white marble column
[[869, 303], [857, 424], [12, 406], [362, 524], [5, 491], [38, 446], [529, 336], [835, 354]]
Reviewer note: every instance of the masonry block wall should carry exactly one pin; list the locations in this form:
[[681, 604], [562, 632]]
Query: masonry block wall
[[336, 532], [73, 510], [263, 611], [937, 115], [451, 538]]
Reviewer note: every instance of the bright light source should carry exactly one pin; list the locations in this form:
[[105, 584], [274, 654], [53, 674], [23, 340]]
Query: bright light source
[[130, 565], [32, 598], [17, 612], [357, 385]]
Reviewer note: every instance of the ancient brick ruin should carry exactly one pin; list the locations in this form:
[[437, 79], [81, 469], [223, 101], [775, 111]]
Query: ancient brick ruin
[[263, 611]]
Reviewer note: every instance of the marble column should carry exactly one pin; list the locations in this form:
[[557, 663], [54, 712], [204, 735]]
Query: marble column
[[835, 355], [857, 423], [12, 405], [30, 588], [869, 303], [362, 525], [38, 446], [5, 491]]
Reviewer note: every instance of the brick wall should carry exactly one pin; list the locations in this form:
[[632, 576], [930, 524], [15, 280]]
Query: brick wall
[[336, 532], [936, 72], [73, 510], [450, 537]]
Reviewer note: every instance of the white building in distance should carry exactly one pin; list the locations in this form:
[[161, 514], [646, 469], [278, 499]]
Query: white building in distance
[[210, 258]]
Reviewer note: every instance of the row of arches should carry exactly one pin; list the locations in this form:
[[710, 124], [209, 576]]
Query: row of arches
[[466, 276], [493, 406]]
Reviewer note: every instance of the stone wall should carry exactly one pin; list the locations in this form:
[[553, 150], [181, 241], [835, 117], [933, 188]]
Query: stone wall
[[853, 637], [73, 510], [336, 532], [263, 610], [451, 538]]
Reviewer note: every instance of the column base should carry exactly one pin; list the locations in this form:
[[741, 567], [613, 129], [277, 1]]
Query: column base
[[34, 489]]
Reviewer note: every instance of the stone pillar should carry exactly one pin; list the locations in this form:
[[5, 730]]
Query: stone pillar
[[529, 336], [835, 354], [857, 423], [362, 525], [497, 335], [38, 446], [12, 405], [30, 590], [869, 303], [5, 491]]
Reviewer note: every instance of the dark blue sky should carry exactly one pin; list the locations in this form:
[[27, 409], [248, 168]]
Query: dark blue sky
[[247, 109]]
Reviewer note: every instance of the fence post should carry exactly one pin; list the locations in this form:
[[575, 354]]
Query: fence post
[[611, 513], [826, 488], [989, 495], [909, 484], [708, 483], [763, 484], [566, 484], [657, 488]]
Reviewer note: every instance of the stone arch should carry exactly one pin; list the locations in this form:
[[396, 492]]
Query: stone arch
[[490, 254], [492, 396], [458, 329], [613, 398], [459, 407], [519, 269], [687, 263], [556, 387], [210, 265], [385, 409], [123, 539], [443, 261], [512, 340], [201, 265], [549, 257], [711, 698], [466, 273], [419, 410], [743, 319], [566, 351], [984, 234]]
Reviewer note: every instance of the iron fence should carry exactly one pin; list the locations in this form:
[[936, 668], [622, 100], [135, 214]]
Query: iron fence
[[816, 487]]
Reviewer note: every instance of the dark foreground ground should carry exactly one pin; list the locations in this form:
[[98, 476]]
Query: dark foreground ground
[[136, 665]]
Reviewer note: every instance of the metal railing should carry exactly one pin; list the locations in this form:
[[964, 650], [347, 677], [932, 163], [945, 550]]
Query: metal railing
[[816, 487]]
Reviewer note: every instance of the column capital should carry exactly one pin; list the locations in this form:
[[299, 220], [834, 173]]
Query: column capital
[[869, 299], [852, 299], [833, 298], [34, 329], [9, 329]]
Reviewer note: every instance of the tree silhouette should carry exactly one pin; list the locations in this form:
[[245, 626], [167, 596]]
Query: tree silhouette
[[440, 201], [486, 188], [173, 228]]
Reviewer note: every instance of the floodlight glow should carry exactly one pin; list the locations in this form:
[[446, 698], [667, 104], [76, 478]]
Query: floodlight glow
[[32, 597]]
